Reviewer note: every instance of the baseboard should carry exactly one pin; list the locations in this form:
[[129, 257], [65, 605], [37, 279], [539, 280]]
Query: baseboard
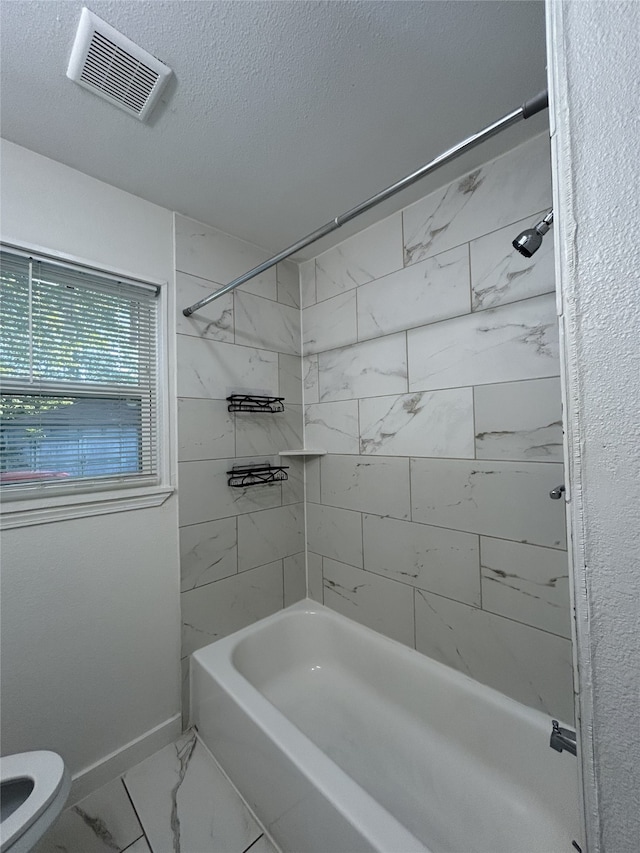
[[123, 759]]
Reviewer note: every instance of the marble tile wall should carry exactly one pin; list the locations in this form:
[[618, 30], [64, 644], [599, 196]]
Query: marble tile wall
[[241, 550], [430, 377]]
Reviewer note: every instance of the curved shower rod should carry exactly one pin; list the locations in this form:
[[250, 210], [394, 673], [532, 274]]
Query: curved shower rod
[[529, 108]]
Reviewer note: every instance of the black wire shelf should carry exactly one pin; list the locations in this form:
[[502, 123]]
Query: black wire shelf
[[256, 475], [253, 403]]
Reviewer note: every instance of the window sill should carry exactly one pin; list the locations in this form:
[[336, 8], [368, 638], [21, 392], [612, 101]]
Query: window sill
[[46, 510]]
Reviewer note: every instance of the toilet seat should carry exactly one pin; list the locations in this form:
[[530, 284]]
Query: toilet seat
[[51, 784]]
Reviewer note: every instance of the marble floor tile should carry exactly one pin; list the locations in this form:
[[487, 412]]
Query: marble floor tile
[[186, 804], [139, 846], [519, 420], [310, 381], [263, 434], [103, 822], [290, 378], [499, 274], [381, 604]]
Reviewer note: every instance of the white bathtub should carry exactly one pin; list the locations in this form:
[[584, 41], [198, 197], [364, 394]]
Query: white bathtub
[[342, 740]]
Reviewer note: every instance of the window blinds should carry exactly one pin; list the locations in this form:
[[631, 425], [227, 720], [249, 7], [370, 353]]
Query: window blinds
[[78, 368]]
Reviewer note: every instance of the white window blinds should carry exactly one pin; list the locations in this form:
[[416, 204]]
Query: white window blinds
[[78, 373]]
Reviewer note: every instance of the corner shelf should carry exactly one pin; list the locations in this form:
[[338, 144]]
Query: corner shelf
[[302, 453]]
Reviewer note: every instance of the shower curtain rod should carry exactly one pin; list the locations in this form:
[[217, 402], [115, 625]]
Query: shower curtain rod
[[529, 108]]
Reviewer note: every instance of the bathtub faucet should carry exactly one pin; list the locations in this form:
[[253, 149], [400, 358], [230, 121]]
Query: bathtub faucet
[[562, 739]]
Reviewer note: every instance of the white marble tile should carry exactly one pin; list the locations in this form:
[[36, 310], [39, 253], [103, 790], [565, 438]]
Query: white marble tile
[[186, 804], [425, 423], [335, 533], [139, 846], [214, 321], [310, 383], [519, 420], [330, 324], [205, 429], [290, 377], [265, 324], [374, 601], [526, 583], [185, 691], [443, 561], [509, 500], [214, 370], [206, 252], [288, 283], [269, 535], [367, 255], [369, 369], [499, 274], [432, 290], [295, 578], [377, 485], [205, 496], [518, 341], [529, 665], [263, 433], [307, 283], [332, 426], [218, 609], [314, 577], [293, 487], [208, 552], [312, 480], [103, 822], [497, 193]]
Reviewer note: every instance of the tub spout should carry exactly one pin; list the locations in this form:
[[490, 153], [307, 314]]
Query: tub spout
[[562, 739]]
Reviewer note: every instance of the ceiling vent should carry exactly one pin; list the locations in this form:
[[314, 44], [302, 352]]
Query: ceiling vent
[[113, 67]]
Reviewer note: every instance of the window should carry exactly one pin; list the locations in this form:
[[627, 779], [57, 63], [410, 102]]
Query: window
[[78, 373]]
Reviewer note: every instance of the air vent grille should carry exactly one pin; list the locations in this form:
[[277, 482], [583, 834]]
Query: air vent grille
[[111, 65]]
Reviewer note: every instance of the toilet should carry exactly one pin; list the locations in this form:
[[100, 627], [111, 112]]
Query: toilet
[[34, 787]]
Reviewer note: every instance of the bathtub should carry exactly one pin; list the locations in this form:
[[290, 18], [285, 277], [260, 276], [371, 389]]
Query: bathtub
[[342, 740]]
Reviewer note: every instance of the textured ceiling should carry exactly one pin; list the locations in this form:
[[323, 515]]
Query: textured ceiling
[[281, 115]]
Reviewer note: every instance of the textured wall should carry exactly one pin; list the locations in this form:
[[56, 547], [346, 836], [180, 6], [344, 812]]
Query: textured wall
[[431, 378], [595, 83], [241, 550]]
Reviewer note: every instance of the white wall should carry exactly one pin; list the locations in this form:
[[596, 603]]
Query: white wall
[[594, 85], [90, 621]]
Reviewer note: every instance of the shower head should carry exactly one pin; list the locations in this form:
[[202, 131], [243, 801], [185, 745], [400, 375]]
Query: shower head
[[530, 240]]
